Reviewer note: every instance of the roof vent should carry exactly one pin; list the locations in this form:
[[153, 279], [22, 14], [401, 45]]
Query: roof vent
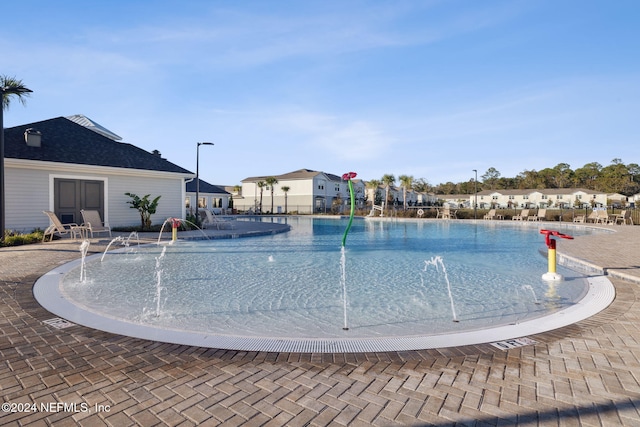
[[156, 153], [33, 138]]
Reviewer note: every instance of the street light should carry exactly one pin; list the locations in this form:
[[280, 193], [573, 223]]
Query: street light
[[198, 179], [475, 191]]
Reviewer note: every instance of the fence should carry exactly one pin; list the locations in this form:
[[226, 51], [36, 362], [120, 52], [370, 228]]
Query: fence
[[565, 215]]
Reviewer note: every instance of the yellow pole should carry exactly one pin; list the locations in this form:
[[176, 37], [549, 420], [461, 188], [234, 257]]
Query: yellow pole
[[174, 229], [552, 260]]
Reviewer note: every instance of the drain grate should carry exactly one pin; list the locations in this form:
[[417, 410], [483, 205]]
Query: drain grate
[[513, 343], [58, 323]]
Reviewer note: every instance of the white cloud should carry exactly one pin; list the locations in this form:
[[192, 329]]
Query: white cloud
[[357, 140]]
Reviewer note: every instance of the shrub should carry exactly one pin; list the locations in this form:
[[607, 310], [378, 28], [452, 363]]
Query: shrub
[[12, 238], [145, 207]]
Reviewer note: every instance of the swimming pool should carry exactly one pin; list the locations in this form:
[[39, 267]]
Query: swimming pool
[[404, 280]]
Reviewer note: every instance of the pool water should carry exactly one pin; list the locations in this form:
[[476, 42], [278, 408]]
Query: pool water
[[290, 285]]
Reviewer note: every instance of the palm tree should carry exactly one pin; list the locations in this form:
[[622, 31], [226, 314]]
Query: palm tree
[[9, 86], [261, 185], [407, 182], [388, 180], [271, 181], [285, 189]]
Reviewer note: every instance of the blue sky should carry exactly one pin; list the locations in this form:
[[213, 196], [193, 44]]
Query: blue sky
[[432, 89]]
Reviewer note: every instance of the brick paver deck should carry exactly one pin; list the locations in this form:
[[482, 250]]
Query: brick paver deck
[[586, 374]]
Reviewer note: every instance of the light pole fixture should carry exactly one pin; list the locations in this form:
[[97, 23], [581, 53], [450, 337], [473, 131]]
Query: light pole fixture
[[475, 195], [198, 179]]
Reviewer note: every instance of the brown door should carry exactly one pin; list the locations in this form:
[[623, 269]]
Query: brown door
[[72, 195]]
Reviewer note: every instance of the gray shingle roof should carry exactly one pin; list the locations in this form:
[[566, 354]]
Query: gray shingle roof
[[546, 191], [298, 174], [205, 187], [64, 141]]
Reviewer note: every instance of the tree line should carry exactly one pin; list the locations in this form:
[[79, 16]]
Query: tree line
[[617, 177]]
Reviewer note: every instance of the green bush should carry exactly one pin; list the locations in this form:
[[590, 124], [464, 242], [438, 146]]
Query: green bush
[[12, 238]]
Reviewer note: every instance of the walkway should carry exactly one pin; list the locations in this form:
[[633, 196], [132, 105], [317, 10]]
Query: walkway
[[584, 374]]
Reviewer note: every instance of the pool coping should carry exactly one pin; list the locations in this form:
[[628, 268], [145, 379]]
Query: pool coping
[[47, 293]]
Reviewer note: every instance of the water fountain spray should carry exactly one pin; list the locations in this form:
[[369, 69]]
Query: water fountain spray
[[159, 287], [437, 261], [175, 223], [84, 248], [343, 258]]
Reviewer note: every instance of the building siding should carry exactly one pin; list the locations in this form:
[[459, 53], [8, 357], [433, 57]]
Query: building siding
[[170, 204], [27, 195], [29, 191]]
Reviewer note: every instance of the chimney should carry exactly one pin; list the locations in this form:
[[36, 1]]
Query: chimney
[[33, 138]]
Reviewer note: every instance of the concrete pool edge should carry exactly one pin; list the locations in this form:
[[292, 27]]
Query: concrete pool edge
[[47, 293]]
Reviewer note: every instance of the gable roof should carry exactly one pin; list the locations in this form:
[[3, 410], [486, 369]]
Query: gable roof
[[205, 187], [297, 174], [64, 141], [545, 191]]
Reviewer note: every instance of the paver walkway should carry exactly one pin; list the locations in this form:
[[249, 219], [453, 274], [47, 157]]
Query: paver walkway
[[586, 374]]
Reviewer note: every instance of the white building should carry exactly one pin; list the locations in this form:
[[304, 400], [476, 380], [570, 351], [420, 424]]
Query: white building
[[65, 165], [396, 196], [541, 198], [212, 197], [307, 192]]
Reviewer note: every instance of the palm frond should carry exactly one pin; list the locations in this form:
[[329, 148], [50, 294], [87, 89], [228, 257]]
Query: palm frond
[[11, 86]]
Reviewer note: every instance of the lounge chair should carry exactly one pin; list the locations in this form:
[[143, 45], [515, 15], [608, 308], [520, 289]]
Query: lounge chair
[[93, 223], [540, 216], [579, 218], [602, 217], [57, 227], [446, 213], [623, 217], [593, 216], [524, 214], [493, 215], [207, 218]]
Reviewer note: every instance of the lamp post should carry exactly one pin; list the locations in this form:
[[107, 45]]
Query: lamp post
[[475, 195], [198, 179], [9, 87]]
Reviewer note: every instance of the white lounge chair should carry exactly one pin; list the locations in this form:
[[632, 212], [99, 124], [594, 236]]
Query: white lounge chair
[[623, 218], [446, 213], [93, 223], [602, 217], [524, 214], [57, 227], [493, 215], [540, 216], [207, 218]]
